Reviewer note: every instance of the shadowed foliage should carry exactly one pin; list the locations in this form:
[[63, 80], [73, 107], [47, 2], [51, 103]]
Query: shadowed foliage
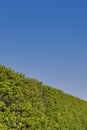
[[27, 104]]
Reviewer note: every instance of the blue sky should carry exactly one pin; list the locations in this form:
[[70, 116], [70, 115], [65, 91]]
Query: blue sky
[[46, 40]]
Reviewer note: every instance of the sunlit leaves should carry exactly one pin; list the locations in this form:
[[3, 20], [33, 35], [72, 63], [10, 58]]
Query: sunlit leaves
[[26, 104]]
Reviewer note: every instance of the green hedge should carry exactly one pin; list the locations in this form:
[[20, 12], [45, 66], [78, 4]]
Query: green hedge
[[27, 104]]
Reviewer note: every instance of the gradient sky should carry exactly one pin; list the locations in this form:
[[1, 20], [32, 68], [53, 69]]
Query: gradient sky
[[46, 40]]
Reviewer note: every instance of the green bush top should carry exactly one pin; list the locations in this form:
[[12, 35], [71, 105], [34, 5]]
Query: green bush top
[[27, 104]]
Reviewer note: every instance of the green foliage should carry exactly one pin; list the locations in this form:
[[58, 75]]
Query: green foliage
[[26, 104]]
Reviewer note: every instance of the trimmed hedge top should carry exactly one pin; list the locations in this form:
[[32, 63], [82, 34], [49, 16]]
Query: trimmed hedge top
[[27, 104]]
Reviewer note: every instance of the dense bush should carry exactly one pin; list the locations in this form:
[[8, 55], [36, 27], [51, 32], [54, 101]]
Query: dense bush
[[26, 104]]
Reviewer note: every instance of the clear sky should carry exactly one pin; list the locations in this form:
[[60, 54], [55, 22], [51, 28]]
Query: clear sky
[[46, 40]]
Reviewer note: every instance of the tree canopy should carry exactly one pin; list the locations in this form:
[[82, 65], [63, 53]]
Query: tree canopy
[[27, 104]]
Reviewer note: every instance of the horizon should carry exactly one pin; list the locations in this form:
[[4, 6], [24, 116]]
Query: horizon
[[46, 40]]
